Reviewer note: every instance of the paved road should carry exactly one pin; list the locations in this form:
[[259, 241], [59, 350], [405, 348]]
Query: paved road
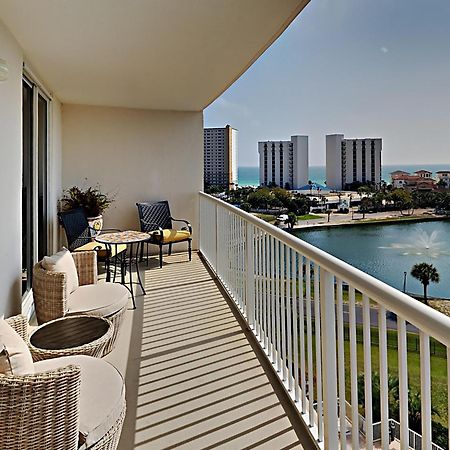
[[391, 322]]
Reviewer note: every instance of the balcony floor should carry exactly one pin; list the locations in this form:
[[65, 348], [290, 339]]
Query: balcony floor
[[193, 378]]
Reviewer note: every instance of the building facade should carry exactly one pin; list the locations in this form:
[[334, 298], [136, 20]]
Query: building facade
[[220, 157], [444, 177], [284, 163], [351, 161]]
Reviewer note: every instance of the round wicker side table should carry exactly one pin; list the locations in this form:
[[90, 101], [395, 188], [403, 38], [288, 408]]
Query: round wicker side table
[[71, 335]]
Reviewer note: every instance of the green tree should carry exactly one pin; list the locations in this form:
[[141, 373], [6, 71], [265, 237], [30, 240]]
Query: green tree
[[426, 274], [246, 207], [291, 221], [260, 198], [402, 200], [365, 205], [393, 395]]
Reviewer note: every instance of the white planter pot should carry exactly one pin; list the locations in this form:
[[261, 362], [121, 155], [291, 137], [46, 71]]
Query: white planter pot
[[96, 223]]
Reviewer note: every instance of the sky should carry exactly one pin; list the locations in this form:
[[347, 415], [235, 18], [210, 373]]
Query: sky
[[363, 68]]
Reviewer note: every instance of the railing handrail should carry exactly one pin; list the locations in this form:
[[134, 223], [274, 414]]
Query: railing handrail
[[423, 317]]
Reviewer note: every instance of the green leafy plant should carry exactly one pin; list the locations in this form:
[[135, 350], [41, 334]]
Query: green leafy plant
[[92, 200]]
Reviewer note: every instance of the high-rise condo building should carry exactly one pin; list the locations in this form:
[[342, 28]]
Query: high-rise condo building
[[284, 163], [220, 158], [352, 160]]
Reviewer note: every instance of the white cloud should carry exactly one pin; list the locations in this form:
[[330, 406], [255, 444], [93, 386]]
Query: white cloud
[[384, 50]]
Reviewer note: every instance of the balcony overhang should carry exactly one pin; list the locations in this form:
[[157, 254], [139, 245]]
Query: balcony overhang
[[152, 54]]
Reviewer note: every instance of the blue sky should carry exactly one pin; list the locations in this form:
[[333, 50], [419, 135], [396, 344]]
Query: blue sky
[[364, 68]]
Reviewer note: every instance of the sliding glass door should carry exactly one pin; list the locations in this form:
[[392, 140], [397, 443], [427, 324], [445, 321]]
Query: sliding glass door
[[35, 221]]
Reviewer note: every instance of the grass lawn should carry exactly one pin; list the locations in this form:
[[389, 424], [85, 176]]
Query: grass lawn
[[438, 366], [266, 217], [309, 217], [438, 370]]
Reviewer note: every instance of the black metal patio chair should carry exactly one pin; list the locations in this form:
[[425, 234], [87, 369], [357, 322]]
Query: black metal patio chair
[[155, 219], [80, 237]]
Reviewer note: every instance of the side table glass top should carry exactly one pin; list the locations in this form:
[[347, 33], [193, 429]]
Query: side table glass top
[[122, 237]]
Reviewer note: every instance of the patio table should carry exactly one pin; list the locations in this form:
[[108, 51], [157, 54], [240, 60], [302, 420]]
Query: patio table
[[71, 335], [129, 238]]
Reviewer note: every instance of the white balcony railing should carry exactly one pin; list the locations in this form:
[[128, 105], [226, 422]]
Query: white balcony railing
[[302, 305]]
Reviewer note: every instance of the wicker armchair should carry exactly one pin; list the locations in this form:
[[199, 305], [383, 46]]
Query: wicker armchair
[[52, 300], [42, 410]]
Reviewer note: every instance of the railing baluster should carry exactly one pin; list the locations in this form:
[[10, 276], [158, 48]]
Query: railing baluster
[[289, 360], [341, 365], [309, 344], [353, 369], [318, 336], [327, 311], [277, 306], [295, 296], [425, 390], [266, 292], [261, 256], [272, 300], [283, 282], [250, 275], [367, 373], [301, 319], [384, 381], [403, 383]]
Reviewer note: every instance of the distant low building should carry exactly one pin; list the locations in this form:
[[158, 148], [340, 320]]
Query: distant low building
[[351, 161], [284, 163], [421, 180], [423, 173], [396, 173], [444, 176]]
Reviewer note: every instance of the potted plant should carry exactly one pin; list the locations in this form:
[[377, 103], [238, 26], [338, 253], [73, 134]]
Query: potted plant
[[91, 199]]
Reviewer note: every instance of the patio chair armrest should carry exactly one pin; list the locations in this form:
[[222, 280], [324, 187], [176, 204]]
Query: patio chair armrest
[[145, 224], [19, 324], [86, 264], [184, 221], [49, 294], [40, 408]]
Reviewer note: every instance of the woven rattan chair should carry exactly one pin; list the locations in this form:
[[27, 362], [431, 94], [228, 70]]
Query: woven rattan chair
[[155, 218], [52, 300], [42, 410]]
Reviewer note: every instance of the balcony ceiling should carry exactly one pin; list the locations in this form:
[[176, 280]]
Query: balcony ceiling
[[154, 54]]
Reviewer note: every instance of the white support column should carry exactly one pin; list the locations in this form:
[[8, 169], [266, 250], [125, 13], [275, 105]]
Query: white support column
[[327, 311]]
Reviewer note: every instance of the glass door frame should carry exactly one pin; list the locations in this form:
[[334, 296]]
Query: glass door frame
[[37, 93]]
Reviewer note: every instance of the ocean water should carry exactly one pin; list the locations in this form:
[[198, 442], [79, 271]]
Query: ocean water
[[249, 176]]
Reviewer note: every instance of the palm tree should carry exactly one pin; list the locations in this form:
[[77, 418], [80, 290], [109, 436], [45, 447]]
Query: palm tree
[[426, 274]]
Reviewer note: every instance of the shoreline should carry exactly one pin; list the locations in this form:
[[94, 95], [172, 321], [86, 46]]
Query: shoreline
[[388, 219]]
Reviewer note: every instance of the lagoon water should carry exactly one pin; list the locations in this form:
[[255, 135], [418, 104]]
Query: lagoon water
[[387, 251]]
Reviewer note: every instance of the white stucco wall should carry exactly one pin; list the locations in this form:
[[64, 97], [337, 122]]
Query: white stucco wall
[[11, 175], [141, 155]]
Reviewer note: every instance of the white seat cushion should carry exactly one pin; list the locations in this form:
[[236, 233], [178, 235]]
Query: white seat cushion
[[16, 356], [102, 393], [63, 262], [100, 299]]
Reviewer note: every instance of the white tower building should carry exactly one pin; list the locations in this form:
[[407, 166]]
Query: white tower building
[[284, 163], [352, 160]]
